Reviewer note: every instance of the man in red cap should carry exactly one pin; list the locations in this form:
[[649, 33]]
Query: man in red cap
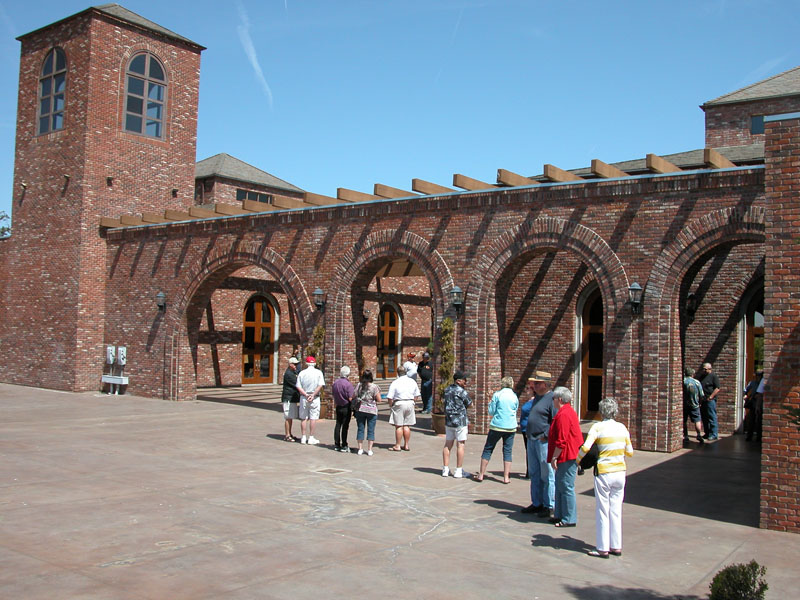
[[310, 382]]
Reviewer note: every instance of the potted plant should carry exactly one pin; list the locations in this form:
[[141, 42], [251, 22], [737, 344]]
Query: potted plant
[[447, 361]]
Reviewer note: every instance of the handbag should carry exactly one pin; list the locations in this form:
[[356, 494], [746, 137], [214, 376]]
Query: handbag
[[589, 460]]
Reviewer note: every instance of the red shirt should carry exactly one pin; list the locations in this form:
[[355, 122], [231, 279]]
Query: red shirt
[[565, 433]]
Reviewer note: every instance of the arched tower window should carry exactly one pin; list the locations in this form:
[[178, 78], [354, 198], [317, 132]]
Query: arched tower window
[[145, 95], [52, 85]]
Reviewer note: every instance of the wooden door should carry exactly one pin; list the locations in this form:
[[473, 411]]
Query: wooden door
[[388, 342], [258, 346], [592, 357]]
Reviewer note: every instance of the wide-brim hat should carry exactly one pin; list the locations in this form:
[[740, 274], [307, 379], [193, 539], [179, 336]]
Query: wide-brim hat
[[542, 376], [293, 361]]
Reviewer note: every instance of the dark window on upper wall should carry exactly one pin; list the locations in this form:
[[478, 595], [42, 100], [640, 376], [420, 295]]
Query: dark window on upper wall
[[757, 124], [52, 85], [145, 96], [254, 196]]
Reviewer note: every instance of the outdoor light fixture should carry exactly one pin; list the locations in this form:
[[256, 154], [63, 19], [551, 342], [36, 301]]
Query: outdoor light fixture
[[457, 299], [635, 291], [319, 299], [365, 315], [161, 301]]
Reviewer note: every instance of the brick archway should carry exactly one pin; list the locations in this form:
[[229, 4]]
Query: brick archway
[[195, 289], [662, 377], [340, 342], [483, 359]]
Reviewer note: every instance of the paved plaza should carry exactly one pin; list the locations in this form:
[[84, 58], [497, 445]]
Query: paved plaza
[[120, 497]]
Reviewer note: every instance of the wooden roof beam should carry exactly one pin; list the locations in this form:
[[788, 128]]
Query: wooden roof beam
[[320, 200], [130, 220], [109, 222], [385, 191], [513, 179], [256, 207], [660, 165], [150, 217], [354, 196], [715, 160], [470, 184], [177, 215], [230, 210], [428, 188], [284, 202], [553, 173], [606, 171], [199, 212]]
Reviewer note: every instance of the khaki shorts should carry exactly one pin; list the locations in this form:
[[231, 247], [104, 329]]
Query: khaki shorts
[[403, 413], [309, 410], [456, 433], [290, 410]]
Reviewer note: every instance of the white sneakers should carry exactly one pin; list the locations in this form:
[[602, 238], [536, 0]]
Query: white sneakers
[[369, 452], [304, 440], [312, 440], [459, 472], [360, 451]]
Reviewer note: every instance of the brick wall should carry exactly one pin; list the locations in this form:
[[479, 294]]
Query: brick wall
[[218, 189], [780, 457], [56, 238], [729, 124]]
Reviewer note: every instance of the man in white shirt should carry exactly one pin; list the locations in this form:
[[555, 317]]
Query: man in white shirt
[[310, 382], [410, 366], [402, 395]]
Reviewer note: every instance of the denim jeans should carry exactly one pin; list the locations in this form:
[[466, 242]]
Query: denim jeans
[[566, 507], [368, 420], [343, 415], [709, 412], [491, 442], [426, 391], [543, 478]]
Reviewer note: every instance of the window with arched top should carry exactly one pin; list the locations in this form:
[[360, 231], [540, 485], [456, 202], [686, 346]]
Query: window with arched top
[[145, 96], [388, 341], [52, 86]]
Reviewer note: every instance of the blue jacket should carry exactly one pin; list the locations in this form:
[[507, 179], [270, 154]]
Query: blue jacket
[[503, 409]]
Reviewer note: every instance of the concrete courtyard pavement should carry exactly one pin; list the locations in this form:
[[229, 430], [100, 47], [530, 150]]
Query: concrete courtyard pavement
[[120, 497]]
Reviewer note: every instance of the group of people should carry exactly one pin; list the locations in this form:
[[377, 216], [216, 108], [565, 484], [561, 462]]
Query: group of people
[[554, 444], [700, 403], [301, 400], [553, 438]]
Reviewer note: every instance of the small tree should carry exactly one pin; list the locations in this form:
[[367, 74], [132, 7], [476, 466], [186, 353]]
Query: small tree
[[5, 230], [739, 582], [317, 346], [447, 362]]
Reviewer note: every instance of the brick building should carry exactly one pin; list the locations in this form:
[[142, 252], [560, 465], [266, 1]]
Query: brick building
[[110, 209]]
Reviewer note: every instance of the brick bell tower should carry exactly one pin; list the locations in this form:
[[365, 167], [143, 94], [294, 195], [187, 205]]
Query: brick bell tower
[[106, 125]]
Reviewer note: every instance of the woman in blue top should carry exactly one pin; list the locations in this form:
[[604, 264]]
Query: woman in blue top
[[503, 410]]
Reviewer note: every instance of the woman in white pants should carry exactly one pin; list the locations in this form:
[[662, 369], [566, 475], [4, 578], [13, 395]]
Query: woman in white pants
[[614, 444]]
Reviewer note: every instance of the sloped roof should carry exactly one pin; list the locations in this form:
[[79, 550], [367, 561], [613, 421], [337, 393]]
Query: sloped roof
[[691, 159], [225, 165], [782, 84], [121, 13]]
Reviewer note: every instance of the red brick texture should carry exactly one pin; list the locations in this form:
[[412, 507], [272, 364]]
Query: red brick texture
[[780, 457]]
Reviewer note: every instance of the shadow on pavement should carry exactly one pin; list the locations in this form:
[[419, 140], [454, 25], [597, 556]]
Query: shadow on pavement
[[718, 481], [610, 592]]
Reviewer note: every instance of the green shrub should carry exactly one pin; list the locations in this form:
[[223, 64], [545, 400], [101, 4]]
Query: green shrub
[[740, 582], [447, 362]]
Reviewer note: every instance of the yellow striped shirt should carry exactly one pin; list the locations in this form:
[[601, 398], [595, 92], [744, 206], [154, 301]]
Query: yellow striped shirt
[[614, 443]]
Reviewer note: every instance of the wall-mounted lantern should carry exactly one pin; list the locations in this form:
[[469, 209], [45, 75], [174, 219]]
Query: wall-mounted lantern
[[635, 292], [161, 301], [320, 299], [457, 300]]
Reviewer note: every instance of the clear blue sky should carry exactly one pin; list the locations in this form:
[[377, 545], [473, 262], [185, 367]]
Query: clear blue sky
[[347, 93]]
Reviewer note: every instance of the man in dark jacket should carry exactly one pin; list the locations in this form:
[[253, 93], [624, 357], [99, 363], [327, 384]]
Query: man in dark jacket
[[425, 372], [290, 398]]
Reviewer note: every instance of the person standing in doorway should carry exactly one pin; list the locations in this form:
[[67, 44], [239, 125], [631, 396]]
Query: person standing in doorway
[[342, 392], [708, 408], [425, 372], [692, 395], [290, 398], [310, 382]]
